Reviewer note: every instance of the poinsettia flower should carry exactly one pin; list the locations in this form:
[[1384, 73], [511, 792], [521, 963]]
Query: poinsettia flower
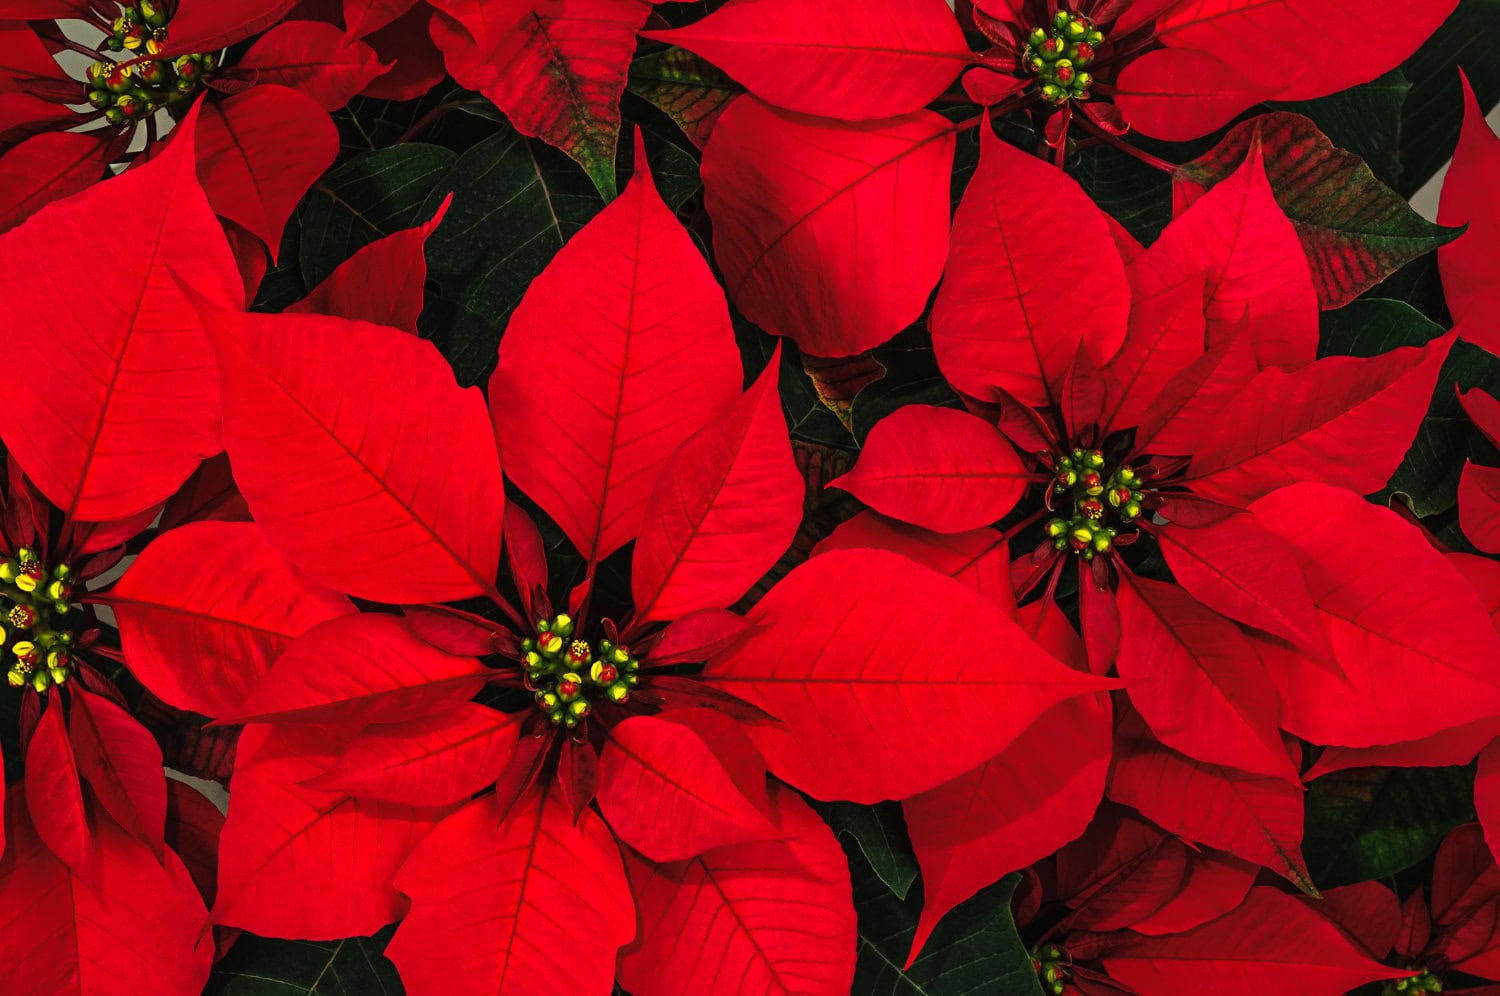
[[158, 56], [1181, 411], [1471, 273]]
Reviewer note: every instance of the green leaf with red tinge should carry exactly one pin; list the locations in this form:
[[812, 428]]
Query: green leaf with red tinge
[[685, 88], [1356, 230]]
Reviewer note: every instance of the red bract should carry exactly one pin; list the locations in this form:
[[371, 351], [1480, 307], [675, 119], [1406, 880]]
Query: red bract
[[1186, 408], [1471, 265]]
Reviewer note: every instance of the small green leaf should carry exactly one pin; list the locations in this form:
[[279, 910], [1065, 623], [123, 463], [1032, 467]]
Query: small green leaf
[[880, 834], [1355, 229], [260, 966]]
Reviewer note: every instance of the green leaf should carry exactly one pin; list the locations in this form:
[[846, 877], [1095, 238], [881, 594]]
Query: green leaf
[[260, 966], [1364, 120], [912, 378], [974, 950], [1134, 194], [880, 834], [1434, 109], [366, 124], [1356, 230], [685, 88], [1428, 477], [366, 199], [1368, 823], [515, 202]]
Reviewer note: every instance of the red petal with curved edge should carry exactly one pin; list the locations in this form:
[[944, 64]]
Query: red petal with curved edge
[[1238, 569], [315, 59], [1484, 410], [193, 828], [773, 917], [1457, 746], [1270, 938], [724, 509], [1177, 94], [666, 795], [1011, 811], [127, 387], [1258, 275], [587, 400], [253, 176], [363, 668], [202, 637], [1369, 912], [298, 863], [207, 26], [383, 282], [121, 761], [831, 234], [1002, 318], [1343, 420], [434, 760], [365, 16], [1216, 883], [979, 558], [135, 926], [1251, 816], [1270, 39], [557, 69], [1166, 335], [1471, 265], [847, 656], [1188, 406], [1119, 871], [381, 505], [1479, 505], [1413, 639], [46, 168], [54, 796], [407, 42], [940, 468], [876, 60], [488, 898], [1196, 680]]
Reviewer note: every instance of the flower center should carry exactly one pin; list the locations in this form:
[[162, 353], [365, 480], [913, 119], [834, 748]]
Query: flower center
[[1099, 500], [31, 597], [1417, 985], [569, 675], [1051, 964], [1058, 57], [133, 89]]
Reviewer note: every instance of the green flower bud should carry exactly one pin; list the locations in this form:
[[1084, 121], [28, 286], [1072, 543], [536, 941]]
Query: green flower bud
[[618, 692], [579, 708]]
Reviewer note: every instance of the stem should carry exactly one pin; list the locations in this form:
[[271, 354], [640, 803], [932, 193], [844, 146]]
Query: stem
[[1049, 597], [1027, 522], [1116, 142], [423, 123], [510, 611], [968, 124]]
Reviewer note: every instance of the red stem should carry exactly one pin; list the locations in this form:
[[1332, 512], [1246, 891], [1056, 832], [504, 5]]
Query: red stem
[[1125, 147]]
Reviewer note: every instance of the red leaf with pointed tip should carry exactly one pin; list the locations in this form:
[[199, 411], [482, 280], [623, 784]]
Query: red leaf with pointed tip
[[877, 60], [398, 495], [54, 796], [434, 760], [697, 636], [940, 468], [1001, 318], [1012, 810], [1187, 407], [586, 400], [193, 828], [487, 903], [1270, 938], [363, 668], [666, 795], [1456, 746], [853, 644], [556, 68], [1479, 505], [1369, 912], [1406, 628], [1253, 261], [1471, 273], [1119, 870], [1165, 336], [979, 558], [206, 26], [127, 387], [837, 240], [1177, 94], [210, 494], [383, 282], [1216, 883], [253, 176], [731, 748], [1484, 410], [1343, 420], [366, 16], [772, 917], [202, 637], [315, 59], [120, 760], [1196, 680], [1251, 816], [299, 863], [725, 507], [134, 926], [46, 168]]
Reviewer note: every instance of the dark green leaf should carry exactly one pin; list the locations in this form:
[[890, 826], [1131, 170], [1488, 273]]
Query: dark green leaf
[[1434, 108], [1428, 477], [1364, 120], [880, 833], [684, 87], [974, 950], [366, 199], [259, 966], [1356, 230], [366, 124], [1134, 194], [1369, 823], [912, 378]]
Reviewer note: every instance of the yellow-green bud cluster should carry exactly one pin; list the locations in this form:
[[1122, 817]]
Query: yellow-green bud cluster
[[36, 652], [1079, 476], [1058, 57], [1051, 964], [1417, 985], [134, 87], [569, 675]]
